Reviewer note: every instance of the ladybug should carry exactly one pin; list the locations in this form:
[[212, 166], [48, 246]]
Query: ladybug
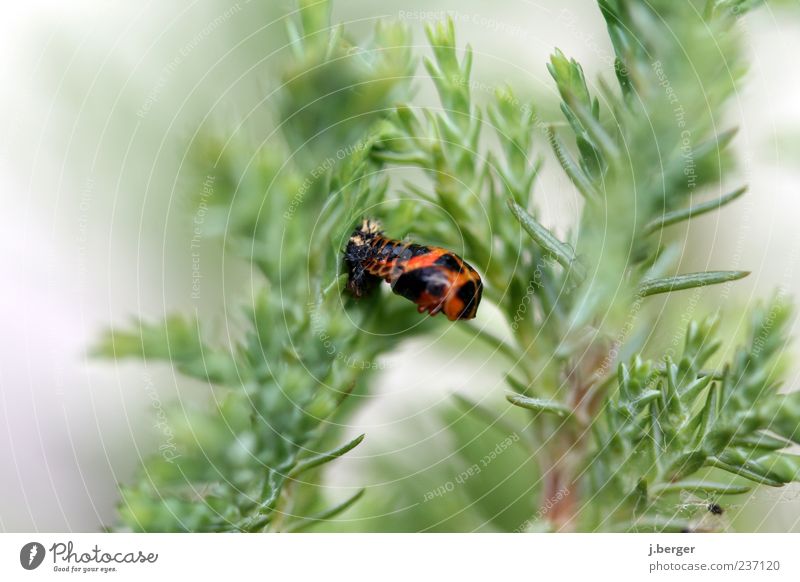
[[432, 277]]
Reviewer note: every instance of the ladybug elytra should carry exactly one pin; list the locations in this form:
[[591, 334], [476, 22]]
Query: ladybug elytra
[[432, 277]]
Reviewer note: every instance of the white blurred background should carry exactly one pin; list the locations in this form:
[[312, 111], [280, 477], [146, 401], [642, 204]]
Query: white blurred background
[[93, 124]]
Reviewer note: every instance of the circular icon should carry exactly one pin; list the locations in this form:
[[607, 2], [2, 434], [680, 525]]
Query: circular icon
[[31, 555]]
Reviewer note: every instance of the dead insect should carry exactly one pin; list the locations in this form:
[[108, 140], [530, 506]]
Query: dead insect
[[432, 277]]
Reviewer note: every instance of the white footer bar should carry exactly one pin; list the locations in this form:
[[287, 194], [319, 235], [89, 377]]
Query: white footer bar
[[390, 557]]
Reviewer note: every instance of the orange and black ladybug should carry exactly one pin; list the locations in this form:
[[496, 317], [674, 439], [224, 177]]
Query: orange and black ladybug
[[432, 277]]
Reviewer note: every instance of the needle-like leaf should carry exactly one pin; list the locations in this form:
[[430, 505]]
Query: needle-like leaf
[[686, 213], [561, 251], [539, 404], [688, 281], [323, 458]]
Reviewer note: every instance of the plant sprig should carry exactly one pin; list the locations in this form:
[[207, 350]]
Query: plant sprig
[[620, 436]]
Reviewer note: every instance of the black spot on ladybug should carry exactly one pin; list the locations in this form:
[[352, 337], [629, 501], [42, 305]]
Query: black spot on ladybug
[[448, 261], [467, 292], [470, 294], [413, 284], [432, 277]]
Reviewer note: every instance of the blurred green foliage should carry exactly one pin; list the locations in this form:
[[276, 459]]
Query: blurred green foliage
[[596, 441], [250, 462]]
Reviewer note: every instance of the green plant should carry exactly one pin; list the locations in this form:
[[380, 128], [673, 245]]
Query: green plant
[[620, 437], [249, 462]]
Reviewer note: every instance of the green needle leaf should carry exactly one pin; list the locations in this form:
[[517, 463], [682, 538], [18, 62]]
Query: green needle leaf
[[595, 130], [328, 513], [272, 489], [539, 404], [700, 487], [743, 472], [318, 460], [676, 216], [686, 464], [688, 281], [562, 252], [761, 441], [570, 167]]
